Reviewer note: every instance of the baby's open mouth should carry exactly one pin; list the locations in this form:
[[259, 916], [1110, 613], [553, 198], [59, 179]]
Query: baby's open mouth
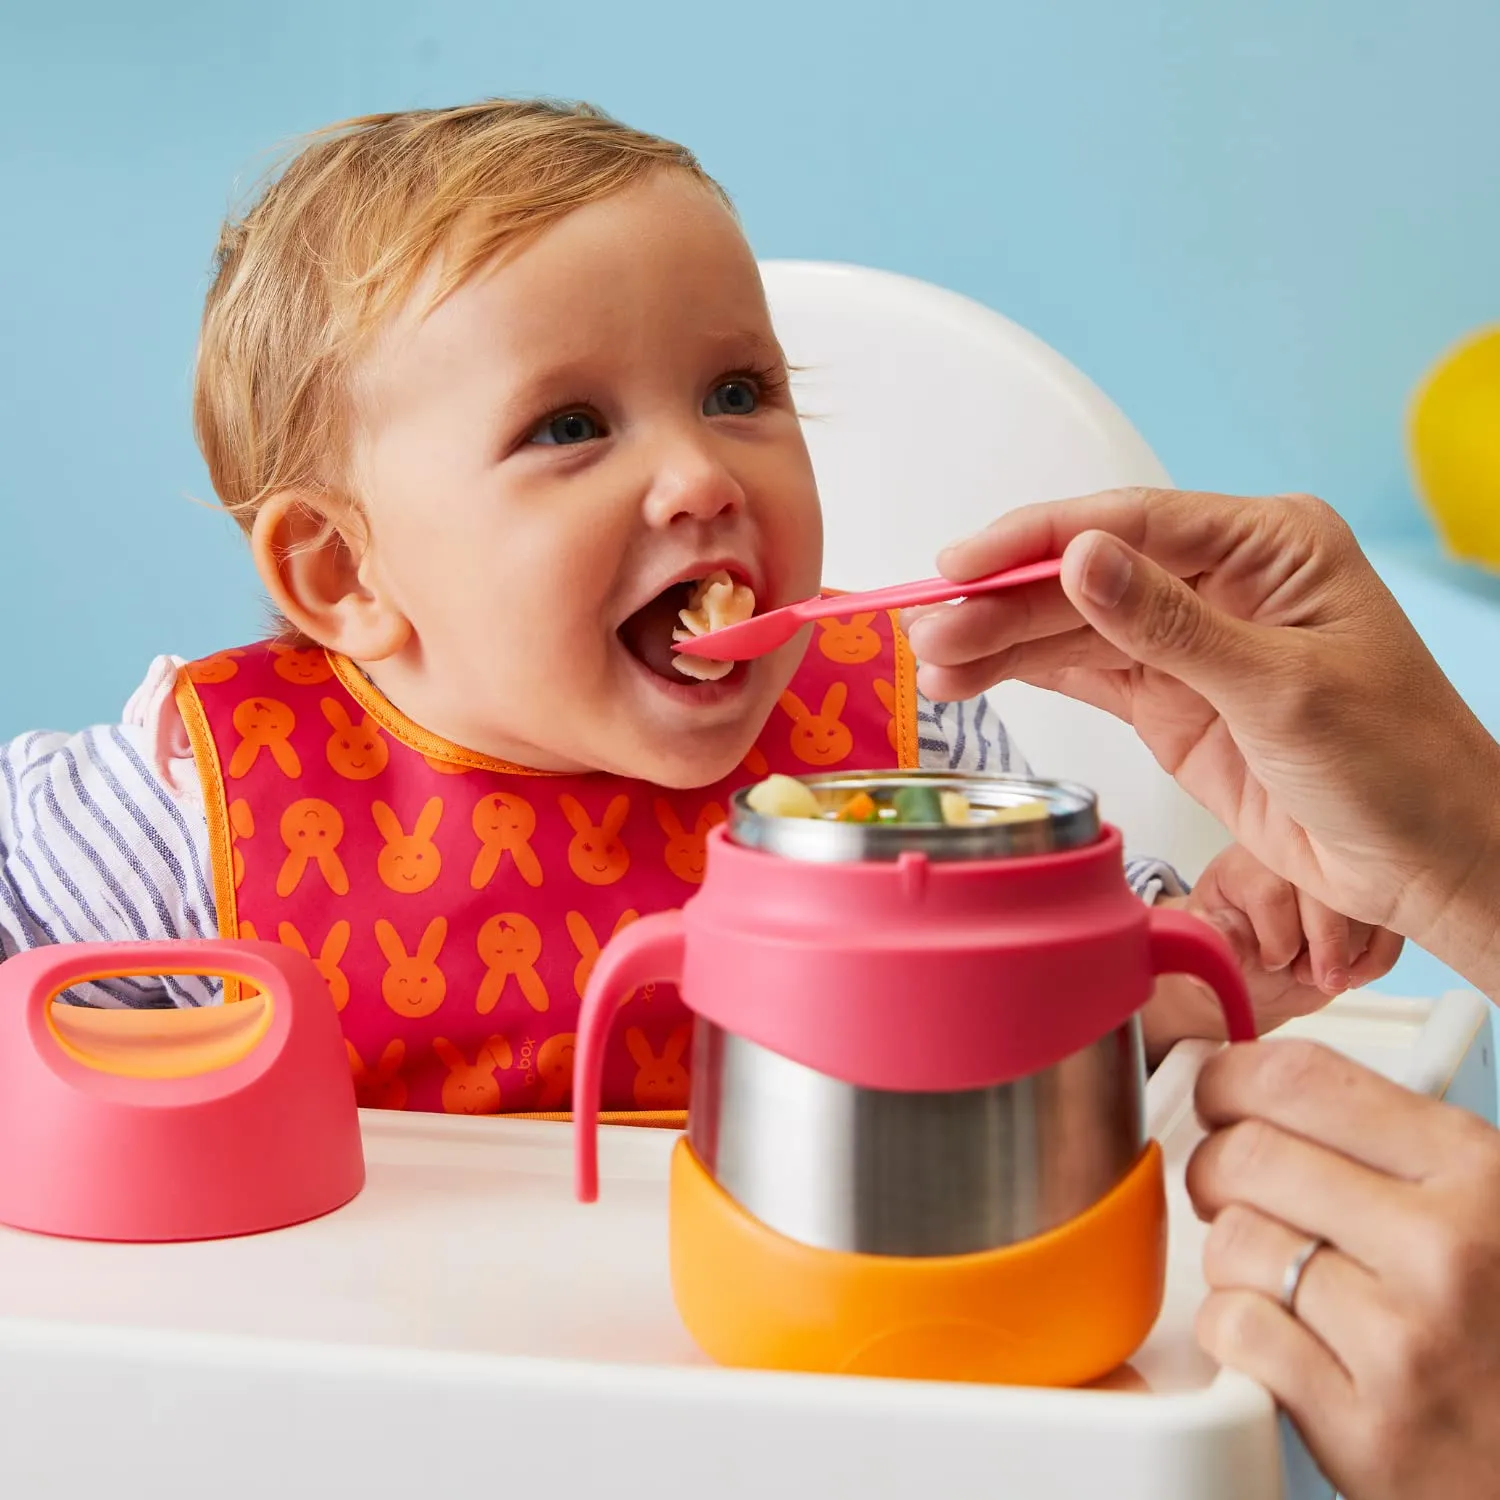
[[685, 610]]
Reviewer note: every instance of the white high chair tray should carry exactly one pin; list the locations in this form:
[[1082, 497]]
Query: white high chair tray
[[463, 1322]]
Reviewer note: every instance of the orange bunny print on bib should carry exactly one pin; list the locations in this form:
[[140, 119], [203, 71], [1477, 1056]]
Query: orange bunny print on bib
[[504, 824], [305, 668], [264, 724], [409, 862], [686, 853], [820, 739], [589, 948], [380, 1086], [413, 985], [326, 959], [356, 751], [241, 826], [510, 945], [849, 642], [596, 852], [219, 667], [554, 1065], [660, 1082], [457, 906], [473, 1088], [312, 831]]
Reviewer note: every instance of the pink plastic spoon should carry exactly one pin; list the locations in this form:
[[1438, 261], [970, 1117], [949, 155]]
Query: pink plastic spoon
[[762, 633]]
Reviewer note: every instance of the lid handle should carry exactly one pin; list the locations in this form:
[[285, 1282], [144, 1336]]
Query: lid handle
[[1184, 944], [41, 973], [648, 951]]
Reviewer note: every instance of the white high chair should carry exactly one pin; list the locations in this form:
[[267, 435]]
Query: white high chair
[[929, 415], [463, 1306]]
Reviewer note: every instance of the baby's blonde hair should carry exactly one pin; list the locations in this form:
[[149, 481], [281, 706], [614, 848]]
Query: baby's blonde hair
[[339, 241]]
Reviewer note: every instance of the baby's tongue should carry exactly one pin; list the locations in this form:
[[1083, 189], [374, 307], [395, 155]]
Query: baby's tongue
[[648, 632]]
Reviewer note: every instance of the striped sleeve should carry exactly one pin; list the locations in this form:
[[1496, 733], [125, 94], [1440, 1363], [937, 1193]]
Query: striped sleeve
[[971, 737], [1151, 879], [96, 846], [968, 736]]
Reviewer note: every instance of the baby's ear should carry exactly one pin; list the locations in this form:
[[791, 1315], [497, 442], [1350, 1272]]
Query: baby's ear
[[313, 554]]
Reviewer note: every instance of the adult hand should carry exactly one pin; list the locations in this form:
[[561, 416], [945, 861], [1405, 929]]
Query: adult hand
[[1255, 651], [1389, 1359]]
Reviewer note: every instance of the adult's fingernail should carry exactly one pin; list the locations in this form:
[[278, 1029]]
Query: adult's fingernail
[[1336, 981], [1106, 572], [946, 554]]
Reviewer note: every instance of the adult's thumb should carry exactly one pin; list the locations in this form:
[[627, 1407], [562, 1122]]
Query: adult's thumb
[[1154, 617]]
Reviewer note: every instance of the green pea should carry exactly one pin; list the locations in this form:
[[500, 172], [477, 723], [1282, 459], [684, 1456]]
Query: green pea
[[918, 804]]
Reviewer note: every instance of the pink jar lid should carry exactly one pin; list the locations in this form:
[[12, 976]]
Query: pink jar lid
[[173, 1125]]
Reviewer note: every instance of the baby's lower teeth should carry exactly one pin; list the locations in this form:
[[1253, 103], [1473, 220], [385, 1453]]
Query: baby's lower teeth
[[716, 601]]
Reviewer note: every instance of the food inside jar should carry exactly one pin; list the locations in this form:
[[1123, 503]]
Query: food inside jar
[[783, 797], [911, 806]]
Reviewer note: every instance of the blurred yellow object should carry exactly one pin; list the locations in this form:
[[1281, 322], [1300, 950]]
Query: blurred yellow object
[[1454, 433]]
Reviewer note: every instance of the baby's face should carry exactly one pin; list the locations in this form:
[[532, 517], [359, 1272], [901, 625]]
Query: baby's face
[[551, 459]]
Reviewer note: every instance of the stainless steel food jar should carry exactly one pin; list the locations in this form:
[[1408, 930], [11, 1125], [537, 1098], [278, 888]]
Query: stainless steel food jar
[[914, 1174]]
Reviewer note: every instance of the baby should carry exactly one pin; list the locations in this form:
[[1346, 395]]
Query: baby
[[494, 392]]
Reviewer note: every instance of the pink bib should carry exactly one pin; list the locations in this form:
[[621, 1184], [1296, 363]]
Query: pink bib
[[456, 905]]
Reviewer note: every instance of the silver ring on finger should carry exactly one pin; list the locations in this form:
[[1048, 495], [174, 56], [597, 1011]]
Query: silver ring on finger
[[1291, 1279]]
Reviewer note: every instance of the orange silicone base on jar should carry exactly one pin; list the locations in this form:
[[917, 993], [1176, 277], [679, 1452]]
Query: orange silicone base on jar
[[1062, 1309]]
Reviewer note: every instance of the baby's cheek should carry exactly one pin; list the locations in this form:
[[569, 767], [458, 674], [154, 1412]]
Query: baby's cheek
[[775, 672]]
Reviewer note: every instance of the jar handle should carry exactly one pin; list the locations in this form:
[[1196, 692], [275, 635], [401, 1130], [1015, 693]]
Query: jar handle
[[1184, 944], [648, 951]]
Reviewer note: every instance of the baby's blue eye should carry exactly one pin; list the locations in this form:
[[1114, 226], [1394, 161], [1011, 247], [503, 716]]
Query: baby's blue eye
[[735, 398], [571, 427]]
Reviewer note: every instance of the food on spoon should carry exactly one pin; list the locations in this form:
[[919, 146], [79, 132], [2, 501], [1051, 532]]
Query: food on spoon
[[716, 601], [783, 797]]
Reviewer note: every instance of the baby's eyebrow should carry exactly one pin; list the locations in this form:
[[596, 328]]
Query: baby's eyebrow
[[747, 344]]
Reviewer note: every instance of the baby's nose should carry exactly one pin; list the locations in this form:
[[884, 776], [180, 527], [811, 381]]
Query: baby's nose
[[694, 486]]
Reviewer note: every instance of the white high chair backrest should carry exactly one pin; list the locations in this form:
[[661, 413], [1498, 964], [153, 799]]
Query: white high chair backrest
[[929, 415]]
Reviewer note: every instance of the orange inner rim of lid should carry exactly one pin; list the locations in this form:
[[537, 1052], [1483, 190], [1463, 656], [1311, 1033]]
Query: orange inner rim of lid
[[160, 1043]]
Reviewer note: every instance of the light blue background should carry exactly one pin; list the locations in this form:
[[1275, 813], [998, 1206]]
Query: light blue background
[[1253, 225]]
